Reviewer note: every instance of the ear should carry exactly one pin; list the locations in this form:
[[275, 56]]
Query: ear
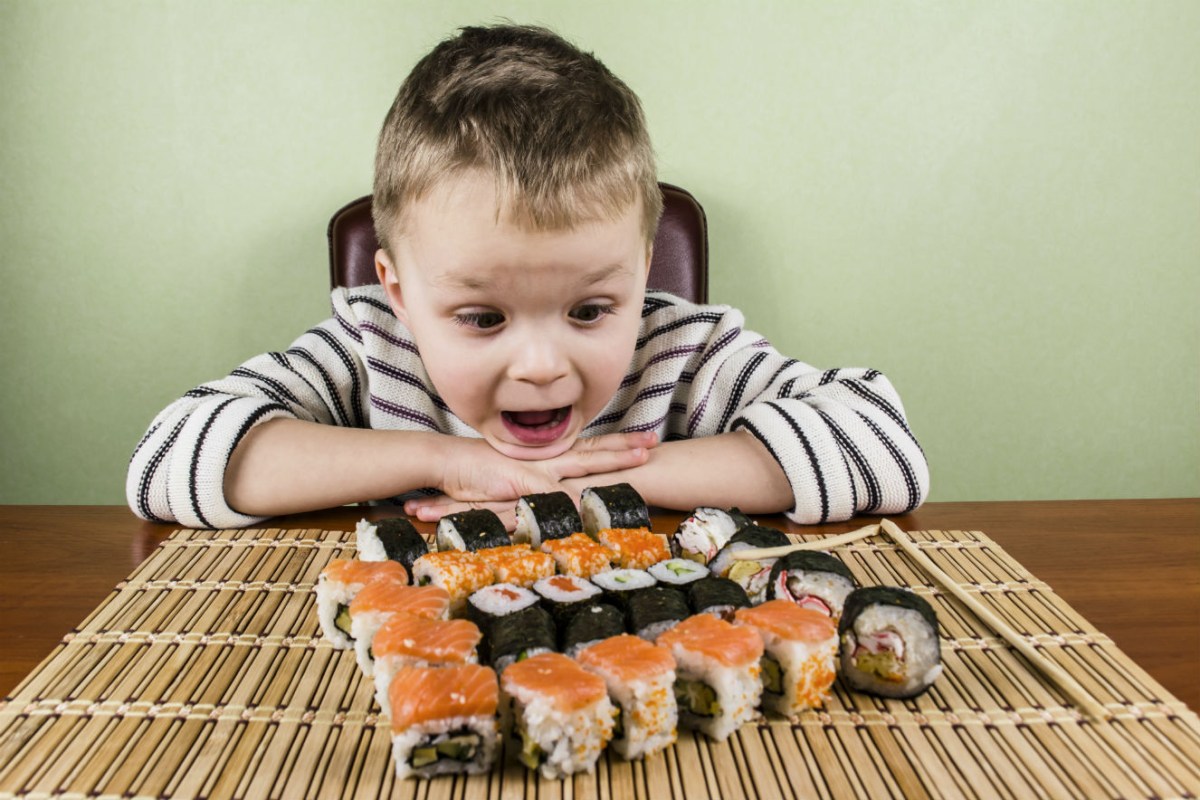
[[390, 282]]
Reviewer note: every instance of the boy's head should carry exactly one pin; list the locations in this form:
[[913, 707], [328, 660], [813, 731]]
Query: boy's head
[[562, 137]]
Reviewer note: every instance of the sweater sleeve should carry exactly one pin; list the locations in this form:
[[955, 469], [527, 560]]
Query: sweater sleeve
[[840, 435], [177, 471]]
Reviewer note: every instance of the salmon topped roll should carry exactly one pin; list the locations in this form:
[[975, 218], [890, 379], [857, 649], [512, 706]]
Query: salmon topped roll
[[640, 677], [405, 640], [799, 662], [717, 684], [379, 600], [339, 582], [444, 720], [562, 717]]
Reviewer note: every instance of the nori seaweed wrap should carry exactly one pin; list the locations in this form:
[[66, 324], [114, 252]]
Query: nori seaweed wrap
[[654, 610], [473, 530], [616, 506], [889, 642], [541, 517], [752, 575], [391, 539], [720, 597], [590, 624], [812, 579], [519, 635]]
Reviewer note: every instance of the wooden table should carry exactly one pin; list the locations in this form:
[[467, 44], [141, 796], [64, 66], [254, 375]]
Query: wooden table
[[1131, 567]]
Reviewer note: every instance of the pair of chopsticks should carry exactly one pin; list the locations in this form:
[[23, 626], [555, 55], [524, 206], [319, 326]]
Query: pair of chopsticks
[[1074, 690]]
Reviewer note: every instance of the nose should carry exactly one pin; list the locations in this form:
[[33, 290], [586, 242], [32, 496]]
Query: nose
[[538, 357]]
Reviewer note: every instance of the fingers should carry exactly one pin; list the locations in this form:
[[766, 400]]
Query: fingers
[[618, 441], [431, 509], [576, 464]]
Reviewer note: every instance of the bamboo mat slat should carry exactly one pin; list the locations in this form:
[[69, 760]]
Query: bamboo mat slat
[[203, 674]]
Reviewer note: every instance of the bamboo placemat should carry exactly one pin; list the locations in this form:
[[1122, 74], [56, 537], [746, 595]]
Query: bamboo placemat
[[204, 675]]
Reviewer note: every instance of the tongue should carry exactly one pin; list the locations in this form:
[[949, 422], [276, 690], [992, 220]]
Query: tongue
[[532, 419]]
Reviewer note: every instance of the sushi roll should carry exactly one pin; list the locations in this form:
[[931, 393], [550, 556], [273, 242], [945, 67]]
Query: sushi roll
[[444, 720], [459, 572], [719, 597], [392, 539], [889, 642], [578, 554], [378, 601], [490, 603], [812, 579], [589, 625], [634, 548], [337, 585], [705, 531], [564, 594], [752, 575], [519, 635], [717, 683], [616, 506], [678, 572], [562, 717], [542, 517], [471, 530], [799, 661], [518, 564], [640, 678], [618, 584], [408, 641], [654, 610]]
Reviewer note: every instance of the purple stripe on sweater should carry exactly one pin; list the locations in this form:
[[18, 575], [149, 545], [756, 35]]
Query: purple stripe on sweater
[[657, 390], [403, 412], [351, 331], [674, 352], [694, 420], [720, 345], [404, 376], [403, 344]]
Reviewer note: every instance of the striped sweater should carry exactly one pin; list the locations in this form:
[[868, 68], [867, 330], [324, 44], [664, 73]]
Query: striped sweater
[[840, 435]]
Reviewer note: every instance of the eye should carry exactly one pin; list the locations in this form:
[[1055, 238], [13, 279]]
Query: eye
[[481, 320], [591, 312]]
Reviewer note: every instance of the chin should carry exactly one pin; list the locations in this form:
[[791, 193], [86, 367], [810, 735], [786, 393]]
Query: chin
[[523, 452]]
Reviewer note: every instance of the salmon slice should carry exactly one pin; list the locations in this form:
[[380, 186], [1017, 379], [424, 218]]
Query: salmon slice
[[437, 641], [567, 685], [430, 602], [788, 621], [627, 657], [715, 639], [425, 694], [353, 570]]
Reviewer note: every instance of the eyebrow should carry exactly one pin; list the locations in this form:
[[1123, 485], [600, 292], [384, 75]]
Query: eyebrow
[[473, 283]]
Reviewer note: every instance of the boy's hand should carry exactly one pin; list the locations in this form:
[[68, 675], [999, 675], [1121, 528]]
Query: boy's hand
[[476, 476]]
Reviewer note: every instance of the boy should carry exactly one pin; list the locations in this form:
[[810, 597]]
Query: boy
[[512, 348]]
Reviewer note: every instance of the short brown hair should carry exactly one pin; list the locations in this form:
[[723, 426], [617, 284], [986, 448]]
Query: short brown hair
[[565, 138]]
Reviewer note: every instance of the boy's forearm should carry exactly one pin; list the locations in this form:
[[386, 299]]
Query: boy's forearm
[[732, 469], [287, 466]]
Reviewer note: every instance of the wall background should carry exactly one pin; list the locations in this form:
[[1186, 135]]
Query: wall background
[[997, 204]]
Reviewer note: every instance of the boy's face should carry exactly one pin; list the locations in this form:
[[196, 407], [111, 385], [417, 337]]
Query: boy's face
[[525, 334]]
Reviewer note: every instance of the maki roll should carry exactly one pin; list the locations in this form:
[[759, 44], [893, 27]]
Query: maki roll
[[392, 539], [705, 531], [563, 595], [408, 641], [459, 572], [562, 717], [719, 597], [541, 517], [717, 685], [812, 579], [634, 548], [518, 564], [752, 575], [578, 554], [800, 654], [678, 572], [589, 625], [378, 601], [444, 720], [619, 584], [490, 603], [640, 677], [517, 636], [655, 610], [889, 642], [471, 530], [616, 506], [337, 586]]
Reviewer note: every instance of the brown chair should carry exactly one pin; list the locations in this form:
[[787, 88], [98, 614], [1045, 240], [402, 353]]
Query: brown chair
[[679, 265]]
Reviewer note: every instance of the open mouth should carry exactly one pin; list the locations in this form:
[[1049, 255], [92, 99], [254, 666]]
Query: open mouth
[[537, 427]]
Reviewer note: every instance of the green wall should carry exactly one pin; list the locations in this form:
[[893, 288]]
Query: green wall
[[997, 204]]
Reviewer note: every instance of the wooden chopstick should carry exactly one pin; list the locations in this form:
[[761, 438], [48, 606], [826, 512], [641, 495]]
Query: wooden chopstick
[[1090, 706], [757, 553]]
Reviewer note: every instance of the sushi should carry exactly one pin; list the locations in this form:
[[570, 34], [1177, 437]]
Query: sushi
[[640, 678], [719, 597], [378, 601], [542, 517], [717, 674], [634, 548], [705, 531], [518, 564], [799, 661], [471, 530], [619, 584], [562, 717], [444, 720], [393, 539], [408, 641], [564, 594], [753, 574], [616, 506], [459, 572], [889, 642], [678, 571], [588, 625], [337, 585], [519, 635], [578, 554], [654, 610], [812, 579], [491, 603]]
